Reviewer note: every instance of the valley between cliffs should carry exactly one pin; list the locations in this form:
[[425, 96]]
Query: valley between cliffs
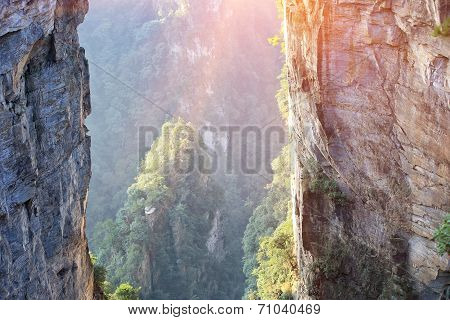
[[369, 114]]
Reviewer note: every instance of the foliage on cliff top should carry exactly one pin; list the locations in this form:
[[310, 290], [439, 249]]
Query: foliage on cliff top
[[442, 236]]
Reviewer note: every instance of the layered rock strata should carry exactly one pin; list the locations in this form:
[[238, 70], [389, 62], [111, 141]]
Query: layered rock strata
[[369, 99], [44, 151]]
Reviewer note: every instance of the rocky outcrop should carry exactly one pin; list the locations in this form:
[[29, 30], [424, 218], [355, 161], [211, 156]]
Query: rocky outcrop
[[369, 98], [44, 151]]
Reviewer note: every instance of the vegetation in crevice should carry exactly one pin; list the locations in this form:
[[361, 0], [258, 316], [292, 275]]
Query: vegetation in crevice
[[282, 94], [319, 182], [442, 236], [278, 39], [100, 283], [131, 251], [350, 270], [442, 29], [150, 47]]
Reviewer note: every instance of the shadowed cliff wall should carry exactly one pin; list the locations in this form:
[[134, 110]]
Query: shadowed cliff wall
[[44, 152]]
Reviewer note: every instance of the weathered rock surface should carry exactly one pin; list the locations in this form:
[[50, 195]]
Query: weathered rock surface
[[369, 96], [44, 151]]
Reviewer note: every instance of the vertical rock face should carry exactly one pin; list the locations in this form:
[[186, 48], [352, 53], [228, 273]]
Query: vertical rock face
[[44, 152], [369, 96]]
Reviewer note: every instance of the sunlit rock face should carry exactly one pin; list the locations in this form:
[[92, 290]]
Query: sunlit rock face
[[369, 96], [44, 152]]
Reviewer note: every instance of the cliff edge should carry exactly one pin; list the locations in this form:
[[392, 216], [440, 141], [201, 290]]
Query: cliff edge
[[44, 151]]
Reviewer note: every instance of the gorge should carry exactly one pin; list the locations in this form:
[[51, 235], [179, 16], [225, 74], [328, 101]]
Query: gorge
[[365, 94]]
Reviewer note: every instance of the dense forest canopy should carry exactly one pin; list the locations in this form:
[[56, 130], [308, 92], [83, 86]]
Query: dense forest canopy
[[166, 239], [160, 238]]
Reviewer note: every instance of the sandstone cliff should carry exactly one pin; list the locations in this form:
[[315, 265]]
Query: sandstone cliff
[[44, 151], [369, 98]]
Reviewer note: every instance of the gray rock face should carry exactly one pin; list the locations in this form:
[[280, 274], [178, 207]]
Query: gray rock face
[[44, 151], [369, 95]]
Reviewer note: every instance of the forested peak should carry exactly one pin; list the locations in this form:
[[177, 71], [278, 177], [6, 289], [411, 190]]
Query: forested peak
[[159, 239]]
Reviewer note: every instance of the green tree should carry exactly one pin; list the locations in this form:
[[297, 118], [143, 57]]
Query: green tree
[[266, 218], [126, 291], [277, 270], [158, 240]]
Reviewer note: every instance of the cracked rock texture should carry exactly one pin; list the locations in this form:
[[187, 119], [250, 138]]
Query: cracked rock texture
[[369, 97], [44, 151]]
